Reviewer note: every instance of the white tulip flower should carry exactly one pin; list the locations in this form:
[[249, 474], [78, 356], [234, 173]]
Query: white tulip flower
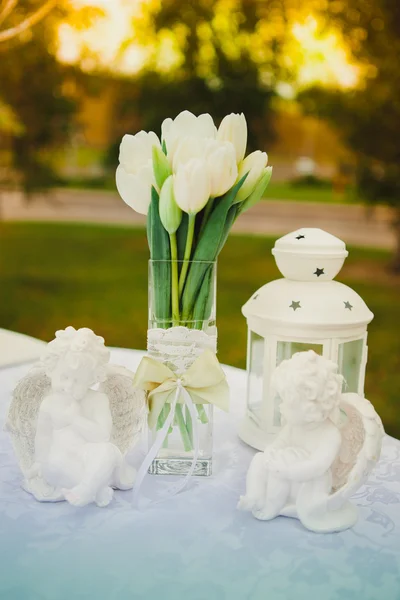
[[221, 165], [220, 158], [135, 176], [186, 124], [188, 148], [233, 129], [136, 150], [254, 164], [192, 186]]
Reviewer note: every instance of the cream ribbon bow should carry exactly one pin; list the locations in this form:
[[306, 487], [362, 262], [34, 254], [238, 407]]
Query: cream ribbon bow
[[203, 383]]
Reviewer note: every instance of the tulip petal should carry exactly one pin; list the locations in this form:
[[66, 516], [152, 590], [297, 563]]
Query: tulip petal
[[186, 149], [134, 190], [233, 128], [254, 165], [166, 127], [222, 168], [205, 126], [136, 150], [186, 124], [192, 186]]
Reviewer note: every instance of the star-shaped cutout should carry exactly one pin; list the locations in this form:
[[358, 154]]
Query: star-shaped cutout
[[348, 305], [295, 305], [300, 237], [319, 272]]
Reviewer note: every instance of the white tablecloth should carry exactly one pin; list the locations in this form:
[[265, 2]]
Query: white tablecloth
[[196, 546], [17, 348]]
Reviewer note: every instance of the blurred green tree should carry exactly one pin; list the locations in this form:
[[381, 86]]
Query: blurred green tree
[[36, 110], [26, 21], [216, 56], [368, 118], [31, 82]]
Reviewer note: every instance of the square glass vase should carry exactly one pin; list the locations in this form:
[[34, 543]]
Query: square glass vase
[[177, 340]]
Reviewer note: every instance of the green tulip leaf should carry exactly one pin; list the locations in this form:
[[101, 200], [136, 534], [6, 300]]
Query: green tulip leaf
[[258, 191], [208, 247], [159, 244]]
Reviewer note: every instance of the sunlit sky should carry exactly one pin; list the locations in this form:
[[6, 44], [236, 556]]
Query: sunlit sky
[[320, 58]]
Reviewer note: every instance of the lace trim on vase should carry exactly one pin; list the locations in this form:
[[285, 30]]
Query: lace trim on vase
[[178, 347]]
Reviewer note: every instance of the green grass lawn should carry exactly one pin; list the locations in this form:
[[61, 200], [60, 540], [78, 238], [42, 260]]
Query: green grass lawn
[[276, 191], [309, 193], [54, 275]]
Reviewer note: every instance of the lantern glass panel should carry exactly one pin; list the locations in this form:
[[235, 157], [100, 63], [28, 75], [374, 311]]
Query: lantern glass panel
[[350, 359], [255, 376], [284, 351]]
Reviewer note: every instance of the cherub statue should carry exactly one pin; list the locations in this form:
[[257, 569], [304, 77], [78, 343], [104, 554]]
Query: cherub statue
[[325, 450], [71, 439]]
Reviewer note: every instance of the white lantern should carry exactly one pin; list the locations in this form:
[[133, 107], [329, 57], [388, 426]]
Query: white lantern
[[306, 310]]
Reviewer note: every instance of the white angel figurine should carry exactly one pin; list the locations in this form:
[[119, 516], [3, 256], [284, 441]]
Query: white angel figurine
[[325, 450], [71, 439]]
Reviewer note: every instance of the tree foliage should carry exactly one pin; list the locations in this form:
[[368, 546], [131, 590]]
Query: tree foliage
[[35, 107], [27, 22], [368, 118], [214, 56], [31, 82]]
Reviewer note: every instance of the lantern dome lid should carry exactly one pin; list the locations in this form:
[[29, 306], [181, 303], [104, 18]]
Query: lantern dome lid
[[309, 254], [311, 240], [307, 297], [313, 304]]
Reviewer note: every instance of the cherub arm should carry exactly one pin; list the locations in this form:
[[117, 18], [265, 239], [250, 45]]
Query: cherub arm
[[99, 428], [315, 466], [282, 440]]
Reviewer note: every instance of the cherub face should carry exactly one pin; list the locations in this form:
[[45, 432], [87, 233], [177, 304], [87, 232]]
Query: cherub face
[[300, 412], [303, 405], [73, 382], [309, 387]]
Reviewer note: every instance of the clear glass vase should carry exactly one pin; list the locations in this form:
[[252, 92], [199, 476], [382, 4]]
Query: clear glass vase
[[182, 324]]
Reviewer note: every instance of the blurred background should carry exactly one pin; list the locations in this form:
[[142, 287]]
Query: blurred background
[[319, 83]]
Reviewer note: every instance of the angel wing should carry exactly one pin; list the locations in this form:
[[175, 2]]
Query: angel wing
[[23, 412], [128, 407], [362, 434]]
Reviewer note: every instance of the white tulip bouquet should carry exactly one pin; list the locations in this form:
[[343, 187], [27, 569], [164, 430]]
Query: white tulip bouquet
[[193, 185]]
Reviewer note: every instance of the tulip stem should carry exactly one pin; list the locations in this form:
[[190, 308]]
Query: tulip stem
[[188, 251], [202, 413], [174, 279], [183, 428], [207, 211]]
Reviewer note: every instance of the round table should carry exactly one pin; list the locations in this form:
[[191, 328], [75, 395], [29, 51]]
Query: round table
[[196, 545]]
